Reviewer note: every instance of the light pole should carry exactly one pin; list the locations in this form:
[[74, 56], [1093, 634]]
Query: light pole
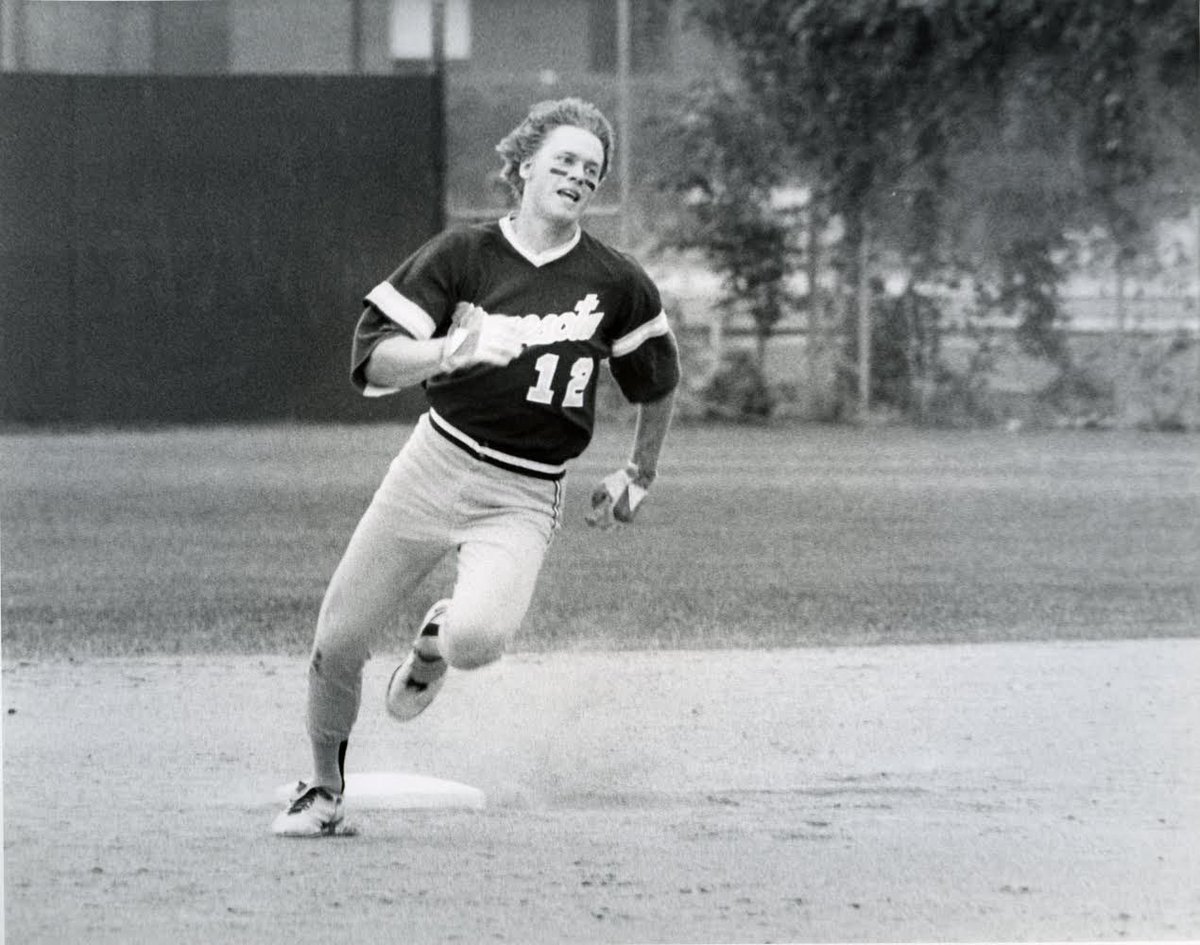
[[437, 66], [624, 124]]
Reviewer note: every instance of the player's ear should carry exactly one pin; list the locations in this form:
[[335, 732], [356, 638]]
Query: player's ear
[[525, 168]]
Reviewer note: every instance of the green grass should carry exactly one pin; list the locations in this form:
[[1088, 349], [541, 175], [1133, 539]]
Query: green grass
[[222, 539]]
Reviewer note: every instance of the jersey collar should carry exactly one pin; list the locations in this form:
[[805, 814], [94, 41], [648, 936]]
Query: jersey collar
[[538, 259]]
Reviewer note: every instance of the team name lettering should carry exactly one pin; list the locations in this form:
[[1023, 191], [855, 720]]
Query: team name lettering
[[579, 324]]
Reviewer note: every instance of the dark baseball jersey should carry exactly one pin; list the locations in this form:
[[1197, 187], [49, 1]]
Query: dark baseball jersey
[[579, 304]]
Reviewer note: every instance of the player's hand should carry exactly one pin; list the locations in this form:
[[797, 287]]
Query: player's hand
[[617, 496], [476, 337]]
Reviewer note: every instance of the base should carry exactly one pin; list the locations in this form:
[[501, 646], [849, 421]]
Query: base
[[392, 790]]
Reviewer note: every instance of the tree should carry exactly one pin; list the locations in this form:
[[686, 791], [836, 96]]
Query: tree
[[726, 169], [881, 104]]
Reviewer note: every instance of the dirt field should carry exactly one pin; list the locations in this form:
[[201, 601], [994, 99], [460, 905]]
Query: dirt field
[[1017, 791]]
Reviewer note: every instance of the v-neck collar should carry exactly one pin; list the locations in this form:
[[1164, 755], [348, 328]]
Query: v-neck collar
[[538, 259]]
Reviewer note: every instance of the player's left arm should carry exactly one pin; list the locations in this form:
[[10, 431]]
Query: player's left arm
[[653, 422], [648, 377]]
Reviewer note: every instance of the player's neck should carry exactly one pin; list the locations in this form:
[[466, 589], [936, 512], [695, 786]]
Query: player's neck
[[538, 234]]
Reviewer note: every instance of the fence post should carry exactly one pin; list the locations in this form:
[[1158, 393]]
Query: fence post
[[1124, 362], [1196, 260], [813, 272], [864, 323]]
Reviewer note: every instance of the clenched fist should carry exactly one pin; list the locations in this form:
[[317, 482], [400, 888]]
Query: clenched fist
[[475, 337], [617, 496]]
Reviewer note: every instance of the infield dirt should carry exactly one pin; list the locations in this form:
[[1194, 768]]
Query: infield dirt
[[1015, 791]]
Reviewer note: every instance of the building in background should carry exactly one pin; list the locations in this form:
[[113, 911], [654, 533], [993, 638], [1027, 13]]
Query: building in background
[[500, 57], [484, 38]]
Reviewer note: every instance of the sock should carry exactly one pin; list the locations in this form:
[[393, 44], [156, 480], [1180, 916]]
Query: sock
[[329, 765]]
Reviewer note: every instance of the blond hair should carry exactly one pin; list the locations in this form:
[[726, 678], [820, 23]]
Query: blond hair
[[522, 143]]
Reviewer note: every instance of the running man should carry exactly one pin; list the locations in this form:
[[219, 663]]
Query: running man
[[505, 324]]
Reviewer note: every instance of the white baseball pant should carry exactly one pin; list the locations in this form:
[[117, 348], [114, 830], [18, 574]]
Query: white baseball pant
[[435, 498]]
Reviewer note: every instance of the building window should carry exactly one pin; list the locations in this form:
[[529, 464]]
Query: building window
[[650, 39], [411, 33], [116, 37], [191, 37]]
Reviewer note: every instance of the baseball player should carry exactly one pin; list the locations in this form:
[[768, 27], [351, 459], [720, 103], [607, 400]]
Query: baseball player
[[506, 325]]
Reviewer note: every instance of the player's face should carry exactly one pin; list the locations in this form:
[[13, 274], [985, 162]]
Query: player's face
[[564, 173]]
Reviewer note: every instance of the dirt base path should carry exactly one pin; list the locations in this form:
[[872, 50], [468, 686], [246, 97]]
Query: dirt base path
[[999, 792]]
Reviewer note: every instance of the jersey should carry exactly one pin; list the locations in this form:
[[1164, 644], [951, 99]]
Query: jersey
[[580, 304]]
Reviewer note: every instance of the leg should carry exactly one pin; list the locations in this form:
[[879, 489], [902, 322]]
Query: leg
[[504, 523], [377, 572], [507, 528], [405, 531], [492, 593], [496, 579]]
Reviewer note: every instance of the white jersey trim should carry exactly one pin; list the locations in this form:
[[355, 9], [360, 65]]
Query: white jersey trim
[[538, 259], [629, 343], [403, 311], [491, 455]]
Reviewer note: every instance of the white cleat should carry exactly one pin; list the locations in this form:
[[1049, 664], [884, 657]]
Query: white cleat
[[419, 678], [316, 812]]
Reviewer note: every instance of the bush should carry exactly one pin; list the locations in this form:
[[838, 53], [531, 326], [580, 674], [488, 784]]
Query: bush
[[737, 390]]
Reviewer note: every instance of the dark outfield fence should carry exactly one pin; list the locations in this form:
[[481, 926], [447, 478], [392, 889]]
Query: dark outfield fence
[[193, 249]]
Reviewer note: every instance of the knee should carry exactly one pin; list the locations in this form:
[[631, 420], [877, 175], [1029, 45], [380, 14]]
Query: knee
[[337, 665], [336, 650], [468, 644]]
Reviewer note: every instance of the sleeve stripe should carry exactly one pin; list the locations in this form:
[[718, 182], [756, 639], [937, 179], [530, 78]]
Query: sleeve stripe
[[404, 312], [635, 339]]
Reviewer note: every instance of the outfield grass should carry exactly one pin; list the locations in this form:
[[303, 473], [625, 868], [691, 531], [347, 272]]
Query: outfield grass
[[222, 540]]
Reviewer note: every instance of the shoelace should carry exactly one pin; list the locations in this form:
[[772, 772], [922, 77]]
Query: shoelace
[[307, 799]]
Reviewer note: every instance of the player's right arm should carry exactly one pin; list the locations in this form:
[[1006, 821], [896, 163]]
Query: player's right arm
[[398, 360], [416, 325]]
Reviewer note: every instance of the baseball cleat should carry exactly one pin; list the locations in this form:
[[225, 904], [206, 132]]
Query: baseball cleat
[[294, 793], [317, 812], [419, 678]]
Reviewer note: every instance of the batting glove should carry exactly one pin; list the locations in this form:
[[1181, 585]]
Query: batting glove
[[476, 337], [617, 497]]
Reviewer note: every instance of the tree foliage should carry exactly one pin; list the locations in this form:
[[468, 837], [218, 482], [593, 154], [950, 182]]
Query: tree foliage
[[729, 161], [1040, 114], [872, 93]]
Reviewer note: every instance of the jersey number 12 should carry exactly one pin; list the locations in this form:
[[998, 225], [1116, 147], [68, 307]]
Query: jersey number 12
[[547, 366]]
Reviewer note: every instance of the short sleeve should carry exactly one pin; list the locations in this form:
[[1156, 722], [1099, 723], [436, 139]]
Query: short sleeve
[[645, 357], [417, 300]]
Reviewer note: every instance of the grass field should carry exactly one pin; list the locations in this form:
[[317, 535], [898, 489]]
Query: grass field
[[221, 540], [159, 590]]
